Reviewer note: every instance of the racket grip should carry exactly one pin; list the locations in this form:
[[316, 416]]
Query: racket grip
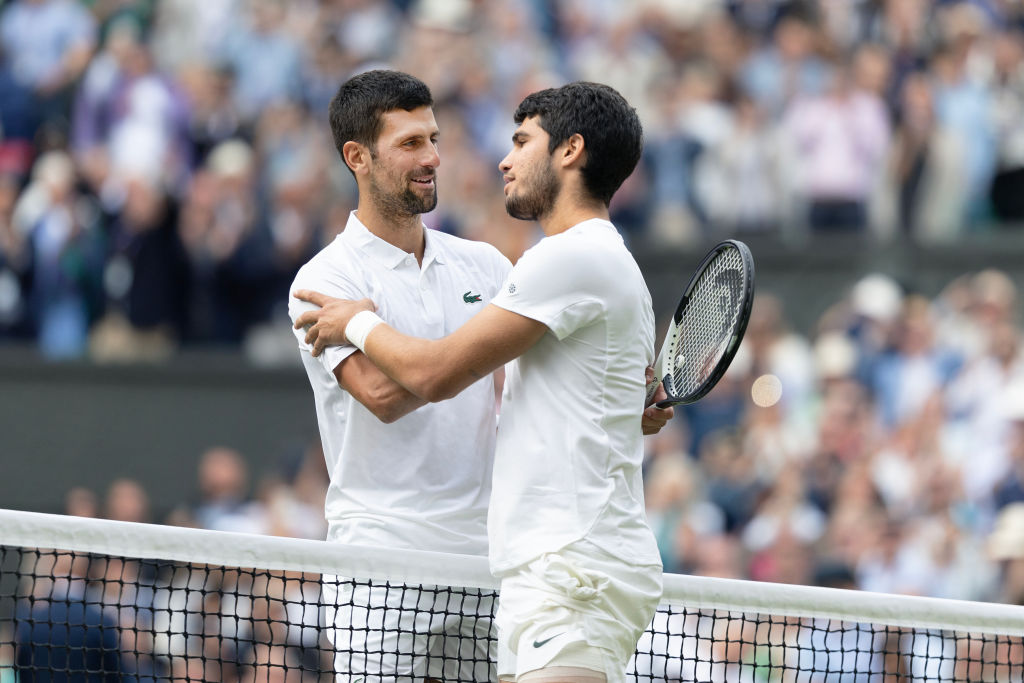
[[652, 387]]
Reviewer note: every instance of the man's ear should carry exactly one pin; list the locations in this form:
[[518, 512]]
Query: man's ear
[[573, 150], [355, 156]]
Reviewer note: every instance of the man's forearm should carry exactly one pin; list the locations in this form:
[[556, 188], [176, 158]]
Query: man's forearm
[[423, 367], [436, 369]]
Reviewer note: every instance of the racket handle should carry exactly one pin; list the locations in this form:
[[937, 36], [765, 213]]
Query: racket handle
[[652, 387], [659, 375]]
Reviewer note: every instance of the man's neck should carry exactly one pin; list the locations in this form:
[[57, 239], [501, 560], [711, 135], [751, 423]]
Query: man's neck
[[564, 215], [406, 233]]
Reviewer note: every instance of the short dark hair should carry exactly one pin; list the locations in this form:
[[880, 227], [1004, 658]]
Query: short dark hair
[[357, 109], [611, 130]]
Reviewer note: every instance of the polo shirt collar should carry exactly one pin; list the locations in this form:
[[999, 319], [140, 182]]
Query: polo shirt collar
[[383, 251], [431, 248]]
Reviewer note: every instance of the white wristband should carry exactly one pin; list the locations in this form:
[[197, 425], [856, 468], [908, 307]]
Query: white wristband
[[359, 327]]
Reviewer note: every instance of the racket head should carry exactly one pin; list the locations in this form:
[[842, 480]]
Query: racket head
[[708, 324]]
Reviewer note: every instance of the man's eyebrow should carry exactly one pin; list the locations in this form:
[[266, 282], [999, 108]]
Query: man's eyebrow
[[417, 136]]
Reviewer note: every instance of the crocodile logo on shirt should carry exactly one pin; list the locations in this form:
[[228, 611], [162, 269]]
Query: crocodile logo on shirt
[[471, 298]]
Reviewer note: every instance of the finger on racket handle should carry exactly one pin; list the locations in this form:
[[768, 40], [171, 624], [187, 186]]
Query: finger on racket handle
[[659, 377]]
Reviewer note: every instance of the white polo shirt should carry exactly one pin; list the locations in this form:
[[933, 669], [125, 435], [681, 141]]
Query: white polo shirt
[[422, 482], [569, 452]]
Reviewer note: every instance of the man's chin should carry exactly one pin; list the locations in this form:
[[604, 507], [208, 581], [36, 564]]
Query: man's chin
[[418, 204], [430, 205], [518, 211]]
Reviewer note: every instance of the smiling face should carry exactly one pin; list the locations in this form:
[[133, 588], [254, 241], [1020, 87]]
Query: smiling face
[[531, 184], [403, 169]]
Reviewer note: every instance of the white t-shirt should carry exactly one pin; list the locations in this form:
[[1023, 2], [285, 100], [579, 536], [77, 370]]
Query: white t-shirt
[[422, 482], [569, 453]]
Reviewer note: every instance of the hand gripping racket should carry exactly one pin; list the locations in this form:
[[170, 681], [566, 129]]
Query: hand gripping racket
[[707, 327]]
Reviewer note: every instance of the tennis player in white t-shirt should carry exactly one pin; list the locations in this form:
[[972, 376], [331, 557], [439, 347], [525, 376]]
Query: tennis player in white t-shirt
[[581, 575], [403, 473]]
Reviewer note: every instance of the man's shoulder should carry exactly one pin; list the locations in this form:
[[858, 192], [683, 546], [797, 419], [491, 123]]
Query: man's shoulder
[[475, 250], [334, 257], [450, 242]]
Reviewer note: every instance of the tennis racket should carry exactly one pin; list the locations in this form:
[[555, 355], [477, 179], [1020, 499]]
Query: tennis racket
[[707, 327]]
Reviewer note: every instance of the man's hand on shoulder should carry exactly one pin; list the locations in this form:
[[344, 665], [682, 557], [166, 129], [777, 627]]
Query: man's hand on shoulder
[[326, 325], [654, 418]]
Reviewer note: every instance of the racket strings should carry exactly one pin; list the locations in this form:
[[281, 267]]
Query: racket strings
[[710, 317]]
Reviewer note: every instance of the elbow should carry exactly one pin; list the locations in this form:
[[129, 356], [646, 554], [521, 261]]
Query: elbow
[[385, 411], [438, 392], [388, 414], [388, 405]]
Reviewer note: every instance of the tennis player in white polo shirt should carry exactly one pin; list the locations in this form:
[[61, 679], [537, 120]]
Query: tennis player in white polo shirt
[[403, 473], [580, 570]]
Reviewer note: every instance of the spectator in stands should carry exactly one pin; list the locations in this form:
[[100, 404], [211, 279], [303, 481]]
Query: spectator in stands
[[81, 502], [916, 366], [748, 156], [732, 482], [126, 501], [1006, 546], [1008, 109], [963, 102], [130, 121], [66, 253], [223, 226], [47, 44], [225, 504], [147, 280], [264, 58], [839, 139], [789, 67], [14, 260], [1010, 490], [922, 193]]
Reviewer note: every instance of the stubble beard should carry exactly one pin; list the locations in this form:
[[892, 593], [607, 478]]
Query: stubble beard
[[537, 199], [404, 204]]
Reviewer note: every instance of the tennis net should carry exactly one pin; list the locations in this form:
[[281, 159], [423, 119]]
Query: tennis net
[[92, 600]]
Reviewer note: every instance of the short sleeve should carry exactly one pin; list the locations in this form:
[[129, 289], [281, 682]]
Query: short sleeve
[[554, 283], [331, 356], [500, 267]]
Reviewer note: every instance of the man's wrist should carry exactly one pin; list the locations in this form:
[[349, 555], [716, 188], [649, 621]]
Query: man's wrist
[[358, 328]]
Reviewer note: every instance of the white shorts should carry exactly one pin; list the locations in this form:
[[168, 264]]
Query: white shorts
[[579, 607], [383, 634]]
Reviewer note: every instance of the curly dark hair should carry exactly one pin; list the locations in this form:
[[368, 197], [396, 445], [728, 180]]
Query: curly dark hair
[[612, 135]]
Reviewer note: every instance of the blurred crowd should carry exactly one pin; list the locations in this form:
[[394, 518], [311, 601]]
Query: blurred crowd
[[883, 452], [124, 618], [886, 454], [165, 167]]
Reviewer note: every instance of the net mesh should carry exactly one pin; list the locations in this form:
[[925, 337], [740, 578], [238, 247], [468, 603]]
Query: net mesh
[[78, 614], [715, 303]]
